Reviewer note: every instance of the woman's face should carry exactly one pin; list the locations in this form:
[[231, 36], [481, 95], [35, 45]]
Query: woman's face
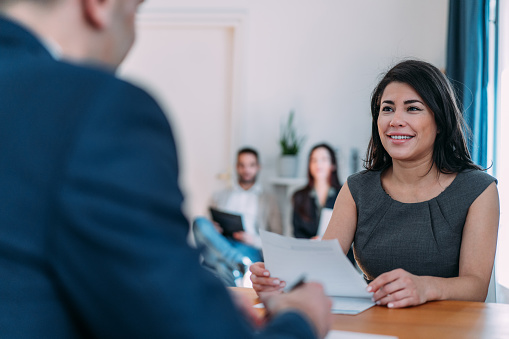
[[320, 164], [406, 125]]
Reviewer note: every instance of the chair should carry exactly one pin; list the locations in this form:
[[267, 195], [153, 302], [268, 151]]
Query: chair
[[218, 256]]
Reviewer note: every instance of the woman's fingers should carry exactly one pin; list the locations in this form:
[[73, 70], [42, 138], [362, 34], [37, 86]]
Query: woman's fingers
[[398, 288], [389, 289], [268, 282], [258, 268], [384, 279], [393, 297], [406, 302], [262, 281], [264, 288]]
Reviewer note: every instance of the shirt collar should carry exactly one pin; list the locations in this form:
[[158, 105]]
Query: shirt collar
[[331, 193], [52, 47], [256, 188]]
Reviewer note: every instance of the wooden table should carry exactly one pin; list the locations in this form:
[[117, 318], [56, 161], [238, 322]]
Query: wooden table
[[435, 320]]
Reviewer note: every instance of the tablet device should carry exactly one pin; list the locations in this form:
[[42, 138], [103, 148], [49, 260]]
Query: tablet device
[[229, 222]]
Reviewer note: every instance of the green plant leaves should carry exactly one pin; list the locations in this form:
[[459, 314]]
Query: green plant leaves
[[289, 141]]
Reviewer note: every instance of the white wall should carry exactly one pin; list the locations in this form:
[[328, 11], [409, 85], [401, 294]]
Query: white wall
[[321, 58]]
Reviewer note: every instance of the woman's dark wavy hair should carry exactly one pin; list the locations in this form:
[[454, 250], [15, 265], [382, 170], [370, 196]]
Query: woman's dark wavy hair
[[450, 152], [300, 198]]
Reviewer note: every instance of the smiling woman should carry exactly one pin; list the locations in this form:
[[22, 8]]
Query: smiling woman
[[417, 215], [423, 218], [425, 88]]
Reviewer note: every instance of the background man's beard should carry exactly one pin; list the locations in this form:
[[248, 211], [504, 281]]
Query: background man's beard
[[244, 181]]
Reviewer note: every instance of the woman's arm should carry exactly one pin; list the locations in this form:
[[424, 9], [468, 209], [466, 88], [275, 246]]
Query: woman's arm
[[478, 248], [343, 222], [399, 288]]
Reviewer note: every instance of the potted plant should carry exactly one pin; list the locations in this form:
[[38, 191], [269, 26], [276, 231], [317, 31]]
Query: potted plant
[[290, 144]]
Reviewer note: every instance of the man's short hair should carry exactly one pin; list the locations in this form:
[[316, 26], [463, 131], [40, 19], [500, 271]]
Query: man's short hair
[[248, 150]]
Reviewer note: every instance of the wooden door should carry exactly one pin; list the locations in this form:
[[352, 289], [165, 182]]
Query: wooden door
[[188, 63]]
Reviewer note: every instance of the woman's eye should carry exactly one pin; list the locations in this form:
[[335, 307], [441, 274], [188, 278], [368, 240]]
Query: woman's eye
[[386, 109], [414, 109]]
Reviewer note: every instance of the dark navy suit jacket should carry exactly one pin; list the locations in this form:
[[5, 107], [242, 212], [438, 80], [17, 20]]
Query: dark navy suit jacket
[[92, 237]]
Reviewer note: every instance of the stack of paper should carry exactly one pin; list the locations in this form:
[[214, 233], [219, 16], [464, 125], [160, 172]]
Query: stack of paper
[[355, 335], [325, 217], [321, 261]]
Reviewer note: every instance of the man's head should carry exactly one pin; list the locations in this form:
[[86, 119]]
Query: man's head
[[92, 31], [247, 166]]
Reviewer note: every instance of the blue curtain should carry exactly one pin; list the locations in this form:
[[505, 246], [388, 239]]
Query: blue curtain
[[467, 67]]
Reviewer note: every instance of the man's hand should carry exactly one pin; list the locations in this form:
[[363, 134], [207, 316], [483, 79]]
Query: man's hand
[[309, 299], [246, 307], [218, 228], [244, 237]]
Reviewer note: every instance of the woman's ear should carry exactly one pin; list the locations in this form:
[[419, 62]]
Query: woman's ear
[[97, 12]]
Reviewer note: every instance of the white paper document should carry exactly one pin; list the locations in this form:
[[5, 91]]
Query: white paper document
[[322, 261], [325, 216], [355, 335]]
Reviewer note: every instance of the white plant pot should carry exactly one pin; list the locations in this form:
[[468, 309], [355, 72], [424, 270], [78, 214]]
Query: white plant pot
[[288, 166]]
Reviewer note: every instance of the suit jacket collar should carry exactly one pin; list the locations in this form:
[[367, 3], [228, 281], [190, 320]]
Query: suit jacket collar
[[16, 38]]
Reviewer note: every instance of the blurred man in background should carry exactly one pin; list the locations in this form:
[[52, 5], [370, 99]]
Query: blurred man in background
[[230, 254]]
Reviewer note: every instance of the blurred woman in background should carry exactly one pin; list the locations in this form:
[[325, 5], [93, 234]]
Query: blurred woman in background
[[320, 192]]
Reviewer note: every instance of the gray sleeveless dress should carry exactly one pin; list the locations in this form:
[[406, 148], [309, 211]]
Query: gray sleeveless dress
[[422, 238]]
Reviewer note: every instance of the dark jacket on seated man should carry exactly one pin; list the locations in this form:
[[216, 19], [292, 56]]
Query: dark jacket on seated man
[[93, 240]]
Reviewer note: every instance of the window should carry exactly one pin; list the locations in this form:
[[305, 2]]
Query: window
[[501, 148]]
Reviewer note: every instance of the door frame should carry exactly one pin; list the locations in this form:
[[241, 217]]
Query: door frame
[[236, 20]]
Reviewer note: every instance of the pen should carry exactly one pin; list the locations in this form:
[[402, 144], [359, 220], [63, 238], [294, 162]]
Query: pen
[[298, 282]]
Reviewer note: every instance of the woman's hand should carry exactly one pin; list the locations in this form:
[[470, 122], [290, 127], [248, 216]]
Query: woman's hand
[[398, 288], [263, 282]]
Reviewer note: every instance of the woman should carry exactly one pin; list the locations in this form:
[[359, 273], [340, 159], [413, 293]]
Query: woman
[[423, 218], [320, 192]]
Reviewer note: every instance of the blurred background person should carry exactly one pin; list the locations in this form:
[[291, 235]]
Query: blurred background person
[[320, 192], [230, 256]]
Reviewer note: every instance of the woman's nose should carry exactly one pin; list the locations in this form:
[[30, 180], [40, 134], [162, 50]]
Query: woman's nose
[[397, 119]]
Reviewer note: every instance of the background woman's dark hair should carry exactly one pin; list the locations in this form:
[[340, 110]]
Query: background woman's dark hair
[[450, 153], [300, 198]]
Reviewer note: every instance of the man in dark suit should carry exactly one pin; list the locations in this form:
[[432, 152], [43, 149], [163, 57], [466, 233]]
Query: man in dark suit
[[92, 237]]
